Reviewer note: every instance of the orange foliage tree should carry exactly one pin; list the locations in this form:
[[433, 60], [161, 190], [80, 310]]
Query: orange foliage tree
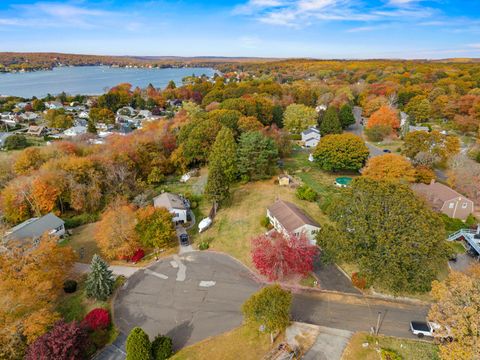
[[115, 232], [30, 283], [389, 167], [384, 116]]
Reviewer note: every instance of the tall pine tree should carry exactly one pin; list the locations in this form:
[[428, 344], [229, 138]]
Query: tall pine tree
[[330, 123], [346, 116], [222, 168], [99, 284]]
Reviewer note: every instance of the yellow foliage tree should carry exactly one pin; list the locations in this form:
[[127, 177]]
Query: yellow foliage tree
[[457, 311], [389, 167]]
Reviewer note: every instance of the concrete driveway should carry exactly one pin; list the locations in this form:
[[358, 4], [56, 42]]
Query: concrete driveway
[[196, 296]]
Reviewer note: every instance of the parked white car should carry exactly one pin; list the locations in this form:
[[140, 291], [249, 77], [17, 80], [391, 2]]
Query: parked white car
[[424, 328]]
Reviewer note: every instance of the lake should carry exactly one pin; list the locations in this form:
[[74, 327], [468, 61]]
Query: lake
[[89, 80]]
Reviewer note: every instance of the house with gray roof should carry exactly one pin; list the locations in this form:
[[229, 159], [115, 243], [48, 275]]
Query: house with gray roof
[[287, 218], [175, 204], [311, 137], [32, 229]]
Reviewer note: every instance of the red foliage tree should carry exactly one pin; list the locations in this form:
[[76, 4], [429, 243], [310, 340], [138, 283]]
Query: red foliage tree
[[66, 341], [97, 319], [277, 256]]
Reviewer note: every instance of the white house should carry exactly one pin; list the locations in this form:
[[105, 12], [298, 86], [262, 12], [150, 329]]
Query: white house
[[177, 206], [53, 105], [75, 131], [32, 229], [311, 137], [287, 218], [83, 115]]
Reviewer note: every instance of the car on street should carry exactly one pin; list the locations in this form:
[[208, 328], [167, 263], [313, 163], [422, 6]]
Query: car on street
[[184, 240], [422, 328], [387, 151]]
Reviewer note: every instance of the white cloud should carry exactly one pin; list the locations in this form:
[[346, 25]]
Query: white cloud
[[298, 13]]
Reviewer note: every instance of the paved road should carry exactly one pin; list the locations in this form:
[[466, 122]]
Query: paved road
[[126, 271], [196, 297], [357, 314]]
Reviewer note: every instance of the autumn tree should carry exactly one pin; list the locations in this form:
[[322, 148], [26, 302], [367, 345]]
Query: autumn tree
[[249, 123], [31, 280], [457, 310], [222, 166], [155, 227], [419, 109], [346, 116], [15, 142], [269, 308], [115, 232], [99, 284], [28, 160], [389, 167], [433, 143], [278, 256], [298, 117], [385, 116], [341, 152], [101, 115], [66, 341], [257, 156], [330, 122], [58, 119], [396, 240]]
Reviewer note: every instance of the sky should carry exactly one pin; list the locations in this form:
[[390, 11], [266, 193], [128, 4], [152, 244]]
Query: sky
[[340, 29]]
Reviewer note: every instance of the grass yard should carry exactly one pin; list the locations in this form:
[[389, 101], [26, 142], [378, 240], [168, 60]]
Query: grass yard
[[238, 222], [241, 343], [407, 349], [82, 237], [392, 145], [75, 306]]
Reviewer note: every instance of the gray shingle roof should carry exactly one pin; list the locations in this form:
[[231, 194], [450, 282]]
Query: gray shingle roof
[[290, 216], [169, 201], [34, 227]]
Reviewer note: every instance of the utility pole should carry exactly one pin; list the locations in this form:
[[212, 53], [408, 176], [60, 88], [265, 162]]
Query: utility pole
[[377, 328]]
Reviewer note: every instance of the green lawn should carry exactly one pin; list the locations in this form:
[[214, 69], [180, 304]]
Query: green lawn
[[241, 343], [407, 349], [239, 221], [392, 145]]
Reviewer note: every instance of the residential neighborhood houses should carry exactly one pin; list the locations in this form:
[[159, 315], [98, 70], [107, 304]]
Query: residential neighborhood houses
[[311, 137]]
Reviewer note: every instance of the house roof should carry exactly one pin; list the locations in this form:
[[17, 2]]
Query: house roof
[[35, 130], [436, 193], [310, 131], [34, 227], [169, 201], [290, 216]]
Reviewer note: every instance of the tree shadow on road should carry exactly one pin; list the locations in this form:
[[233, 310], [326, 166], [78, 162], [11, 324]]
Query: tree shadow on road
[[181, 334]]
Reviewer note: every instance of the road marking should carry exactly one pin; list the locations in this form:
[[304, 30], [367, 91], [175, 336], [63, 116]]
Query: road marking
[[182, 269], [204, 283], [153, 273]]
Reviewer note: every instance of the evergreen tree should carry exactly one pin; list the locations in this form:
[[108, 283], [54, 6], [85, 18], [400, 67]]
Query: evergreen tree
[[162, 347], [257, 156], [100, 281], [91, 128], [222, 168], [330, 123], [138, 345], [346, 116]]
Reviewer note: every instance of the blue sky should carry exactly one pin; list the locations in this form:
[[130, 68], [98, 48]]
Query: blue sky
[[265, 28]]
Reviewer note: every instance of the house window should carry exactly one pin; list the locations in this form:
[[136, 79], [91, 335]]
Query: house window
[[59, 228], [451, 205], [464, 205]]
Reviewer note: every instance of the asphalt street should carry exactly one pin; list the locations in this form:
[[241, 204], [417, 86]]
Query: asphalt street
[[357, 314]]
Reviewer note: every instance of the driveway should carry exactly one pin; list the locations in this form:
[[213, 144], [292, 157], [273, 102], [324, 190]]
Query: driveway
[[195, 296], [331, 278]]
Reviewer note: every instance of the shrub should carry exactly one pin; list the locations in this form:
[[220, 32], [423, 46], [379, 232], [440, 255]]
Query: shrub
[[388, 354], [138, 255], [79, 220], [265, 222], [70, 286], [305, 192], [378, 132], [423, 174], [162, 347], [138, 345], [99, 338], [295, 137], [16, 142], [97, 319], [204, 245], [66, 341], [359, 281]]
